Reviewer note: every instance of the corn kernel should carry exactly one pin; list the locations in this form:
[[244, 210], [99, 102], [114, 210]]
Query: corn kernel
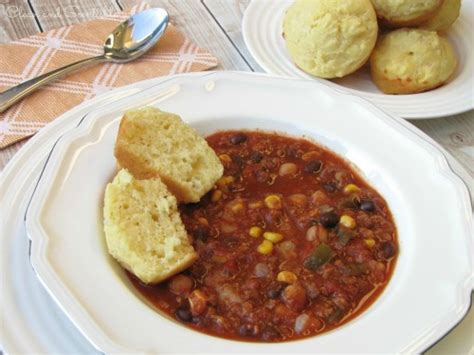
[[219, 259], [224, 181], [216, 195], [237, 207], [286, 276], [255, 232], [369, 242], [273, 202], [225, 159], [347, 221], [203, 221], [265, 247], [255, 205], [273, 237], [351, 188]]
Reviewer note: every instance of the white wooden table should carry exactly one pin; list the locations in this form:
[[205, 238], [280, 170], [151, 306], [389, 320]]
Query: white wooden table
[[216, 26]]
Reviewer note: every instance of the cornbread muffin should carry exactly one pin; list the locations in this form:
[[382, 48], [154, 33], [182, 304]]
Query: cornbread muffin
[[444, 17], [397, 13], [412, 60], [330, 38], [154, 143], [143, 228]]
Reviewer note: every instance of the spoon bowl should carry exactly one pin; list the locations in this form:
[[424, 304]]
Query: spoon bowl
[[133, 37]]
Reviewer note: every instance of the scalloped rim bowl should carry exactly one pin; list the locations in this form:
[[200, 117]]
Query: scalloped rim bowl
[[68, 252]]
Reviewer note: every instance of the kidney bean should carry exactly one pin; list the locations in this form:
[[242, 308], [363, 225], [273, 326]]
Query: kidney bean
[[388, 249], [313, 166], [294, 297], [238, 138], [256, 157], [180, 285]]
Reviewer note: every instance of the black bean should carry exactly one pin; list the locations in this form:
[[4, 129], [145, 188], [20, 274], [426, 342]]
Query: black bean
[[270, 333], [249, 330], [329, 219], [184, 314], [388, 249], [292, 152], [238, 138], [238, 160], [313, 166], [367, 206], [256, 157], [274, 290], [329, 187], [201, 234]]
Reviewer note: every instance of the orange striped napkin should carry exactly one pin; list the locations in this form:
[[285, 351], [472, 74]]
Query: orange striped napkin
[[29, 57]]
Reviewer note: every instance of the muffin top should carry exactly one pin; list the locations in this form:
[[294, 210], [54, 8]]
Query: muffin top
[[444, 16], [412, 60], [405, 12], [330, 38]]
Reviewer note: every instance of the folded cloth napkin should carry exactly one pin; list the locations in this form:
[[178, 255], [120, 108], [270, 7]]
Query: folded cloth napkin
[[29, 57]]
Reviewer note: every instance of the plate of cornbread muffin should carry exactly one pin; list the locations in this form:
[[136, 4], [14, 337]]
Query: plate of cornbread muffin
[[242, 228], [412, 58]]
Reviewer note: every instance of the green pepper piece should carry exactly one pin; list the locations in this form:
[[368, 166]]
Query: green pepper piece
[[355, 269], [320, 256], [344, 235]]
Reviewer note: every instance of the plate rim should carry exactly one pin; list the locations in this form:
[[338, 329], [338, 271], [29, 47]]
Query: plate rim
[[250, 43], [442, 162]]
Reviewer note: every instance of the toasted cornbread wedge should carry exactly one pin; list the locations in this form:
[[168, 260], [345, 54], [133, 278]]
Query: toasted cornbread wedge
[[143, 228], [154, 143]]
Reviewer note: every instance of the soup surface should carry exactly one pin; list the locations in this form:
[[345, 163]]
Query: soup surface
[[291, 243]]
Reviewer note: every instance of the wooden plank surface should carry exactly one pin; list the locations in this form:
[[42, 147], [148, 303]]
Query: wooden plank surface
[[196, 22], [455, 134], [57, 13], [228, 14], [17, 20]]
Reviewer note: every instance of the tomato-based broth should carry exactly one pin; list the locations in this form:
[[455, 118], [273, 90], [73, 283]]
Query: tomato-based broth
[[292, 242]]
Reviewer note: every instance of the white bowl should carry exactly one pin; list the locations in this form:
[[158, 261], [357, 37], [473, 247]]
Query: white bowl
[[427, 295]]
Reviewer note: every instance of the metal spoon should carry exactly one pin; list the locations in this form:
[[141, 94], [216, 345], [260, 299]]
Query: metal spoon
[[127, 42]]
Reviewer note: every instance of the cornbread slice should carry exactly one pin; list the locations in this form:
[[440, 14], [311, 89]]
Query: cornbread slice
[[153, 143], [143, 228]]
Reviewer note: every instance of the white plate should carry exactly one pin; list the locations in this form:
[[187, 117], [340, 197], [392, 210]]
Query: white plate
[[262, 31], [68, 252]]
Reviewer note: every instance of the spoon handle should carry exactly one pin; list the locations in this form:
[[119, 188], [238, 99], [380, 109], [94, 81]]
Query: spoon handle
[[16, 93]]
